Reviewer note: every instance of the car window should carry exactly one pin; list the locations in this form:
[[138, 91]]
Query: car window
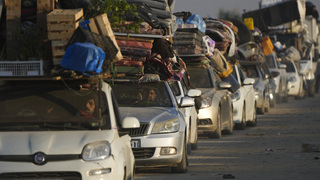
[[200, 77], [57, 105], [290, 66], [271, 63], [251, 71], [142, 94]]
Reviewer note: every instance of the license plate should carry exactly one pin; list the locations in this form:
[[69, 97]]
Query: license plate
[[135, 143]]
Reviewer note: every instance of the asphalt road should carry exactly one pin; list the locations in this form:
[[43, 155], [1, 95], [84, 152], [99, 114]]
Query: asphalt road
[[285, 144]]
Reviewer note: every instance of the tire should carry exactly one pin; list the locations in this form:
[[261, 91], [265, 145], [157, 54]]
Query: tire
[[189, 142], [217, 133], [182, 167], [242, 125], [273, 102], [194, 144], [261, 110], [254, 121], [230, 123], [311, 90], [301, 93], [267, 107]]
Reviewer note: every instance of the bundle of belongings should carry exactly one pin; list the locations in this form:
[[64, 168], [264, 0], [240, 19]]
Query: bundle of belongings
[[157, 13], [188, 38]]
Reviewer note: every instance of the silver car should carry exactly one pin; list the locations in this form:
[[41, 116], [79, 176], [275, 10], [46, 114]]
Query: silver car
[[216, 113], [261, 85], [161, 140]]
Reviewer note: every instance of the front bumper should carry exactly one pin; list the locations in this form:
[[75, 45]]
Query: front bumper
[[72, 169], [207, 120], [154, 143]]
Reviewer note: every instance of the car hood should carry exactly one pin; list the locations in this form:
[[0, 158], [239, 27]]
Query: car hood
[[50, 142], [149, 114]]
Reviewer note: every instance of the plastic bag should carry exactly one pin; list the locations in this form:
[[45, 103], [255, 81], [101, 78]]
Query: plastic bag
[[83, 57], [197, 20]]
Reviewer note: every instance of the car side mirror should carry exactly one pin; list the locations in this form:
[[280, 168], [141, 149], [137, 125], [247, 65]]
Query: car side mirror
[[248, 81], [282, 66], [130, 123], [187, 102], [224, 85], [275, 73], [194, 93]]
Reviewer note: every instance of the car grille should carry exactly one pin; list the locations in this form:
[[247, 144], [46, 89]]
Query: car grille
[[142, 153], [142, 131], [41, 176]]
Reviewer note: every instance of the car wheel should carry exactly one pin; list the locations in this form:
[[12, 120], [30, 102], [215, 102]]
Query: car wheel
[[242, 125], [261, 110], [273, 102], [285, 96], [189, 142], [254, 120], [267, 105], [229, 130], [301, 93], [194, 144], [182, 167], [311, 90], [217, 133]]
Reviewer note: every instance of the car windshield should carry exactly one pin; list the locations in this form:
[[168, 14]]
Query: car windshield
[[142, 94], [251, 71], [290, 66], [200, 77], [271, 61], [52, 105]]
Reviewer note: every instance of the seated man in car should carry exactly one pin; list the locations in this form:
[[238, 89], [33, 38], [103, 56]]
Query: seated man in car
[[88, 110]]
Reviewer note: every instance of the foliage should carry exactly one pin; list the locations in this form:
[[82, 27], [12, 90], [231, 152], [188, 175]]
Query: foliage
[[116, 10]]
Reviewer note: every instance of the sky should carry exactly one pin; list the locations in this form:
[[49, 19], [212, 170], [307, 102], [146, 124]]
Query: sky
[[210, 8]]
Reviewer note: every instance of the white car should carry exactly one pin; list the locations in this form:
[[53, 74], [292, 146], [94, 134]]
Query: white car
[[295, 81], [63, 129], [182, 89], [216, 113], [244, 106], [161, 141], [280, 77]]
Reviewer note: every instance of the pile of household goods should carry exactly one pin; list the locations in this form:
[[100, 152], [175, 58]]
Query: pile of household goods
[[146, 51], [210, 41]]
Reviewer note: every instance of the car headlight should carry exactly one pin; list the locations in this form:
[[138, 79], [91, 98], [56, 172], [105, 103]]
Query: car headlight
[[169, 126], [309, 75], [292, 79], [235, 96], [96, 151], [206, 102]]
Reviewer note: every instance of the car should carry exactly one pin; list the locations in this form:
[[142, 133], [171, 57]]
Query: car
[[53, 128], [161, 140], [272, 83], [295, 80], [281, 79], [216, 112], [181, 88], [244, 104], [261, 85]]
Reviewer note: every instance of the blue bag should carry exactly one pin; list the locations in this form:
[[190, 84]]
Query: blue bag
[[198, 21], [83, 57]]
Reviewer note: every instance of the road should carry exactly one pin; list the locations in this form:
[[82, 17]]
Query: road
[[277, 148]]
